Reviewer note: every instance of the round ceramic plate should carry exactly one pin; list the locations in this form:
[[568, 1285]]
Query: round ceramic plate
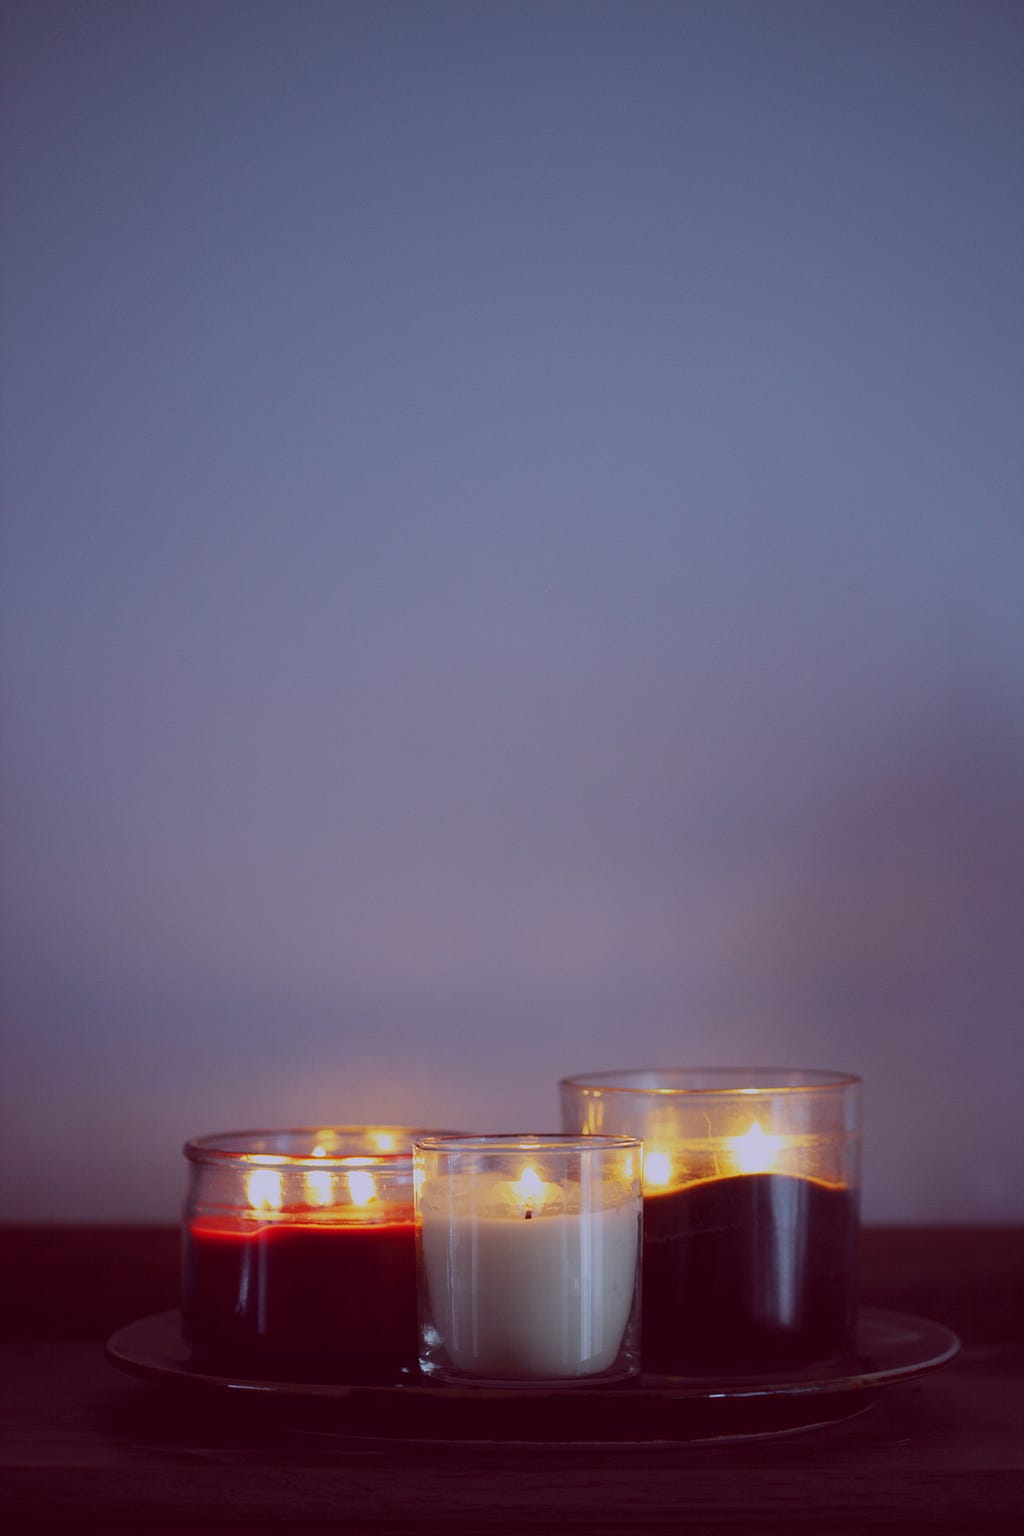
[[892, 1347]]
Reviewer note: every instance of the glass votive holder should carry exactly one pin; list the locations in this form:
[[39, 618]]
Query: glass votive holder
[[529, 1258], [299, 1253], [751, 1211]]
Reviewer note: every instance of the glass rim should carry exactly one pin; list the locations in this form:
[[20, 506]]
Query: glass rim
[[229, 1149], [735, 1081], [526, 1141]]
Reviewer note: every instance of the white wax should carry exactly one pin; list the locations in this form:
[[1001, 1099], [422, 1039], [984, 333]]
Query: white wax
[[541, 1299]]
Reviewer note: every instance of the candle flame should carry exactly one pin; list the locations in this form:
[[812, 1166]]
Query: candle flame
[[529, 1185], [756, 1150], [657, 1170], [361, 1187], [530, 1194], [264, 1190], [319, 1185], [381, 1141]]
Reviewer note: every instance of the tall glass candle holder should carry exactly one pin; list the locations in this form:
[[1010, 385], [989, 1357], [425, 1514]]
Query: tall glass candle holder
[[529, 1253], [299, 1253], [751, 1202]]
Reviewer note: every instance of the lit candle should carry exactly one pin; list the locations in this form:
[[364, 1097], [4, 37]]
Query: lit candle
[[531, 1277], [300, 1254], [749, 1268], [750, 1212]]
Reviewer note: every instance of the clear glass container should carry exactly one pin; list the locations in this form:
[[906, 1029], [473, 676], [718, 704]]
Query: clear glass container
[[751, 1211], [299, 1253], [529, 1258]]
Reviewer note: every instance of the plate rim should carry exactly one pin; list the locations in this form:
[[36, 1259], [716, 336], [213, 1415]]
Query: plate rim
[[123, 1353]]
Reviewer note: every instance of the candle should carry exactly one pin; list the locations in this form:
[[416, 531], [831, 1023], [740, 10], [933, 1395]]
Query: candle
[[750, 1214], [529, 1257], [750, 1271], [299, 1254]]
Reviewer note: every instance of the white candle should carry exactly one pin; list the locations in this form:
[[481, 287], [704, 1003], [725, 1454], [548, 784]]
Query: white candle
[[523, 1283]]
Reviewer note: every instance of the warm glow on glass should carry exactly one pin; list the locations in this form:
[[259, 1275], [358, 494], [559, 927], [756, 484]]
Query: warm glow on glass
[[755, 1151], [318, 1188], [263, 1190], [381, 1141], [361, 1187], [318, 1185], [657, 1170]]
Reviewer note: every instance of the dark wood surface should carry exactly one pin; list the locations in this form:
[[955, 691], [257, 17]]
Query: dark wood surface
[[86, 1448]]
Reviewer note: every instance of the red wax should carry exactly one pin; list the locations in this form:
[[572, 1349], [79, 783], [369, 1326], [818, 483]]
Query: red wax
[[323, 1298], [749, 1274]]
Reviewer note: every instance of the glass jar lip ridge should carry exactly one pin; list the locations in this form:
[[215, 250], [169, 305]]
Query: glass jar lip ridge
[[709, 1080], [525, 1141], [240, 1148]]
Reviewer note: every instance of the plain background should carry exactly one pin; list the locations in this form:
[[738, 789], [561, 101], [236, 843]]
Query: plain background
[[512, 563]]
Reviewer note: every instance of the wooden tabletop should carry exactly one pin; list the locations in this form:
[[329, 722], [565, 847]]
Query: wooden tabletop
[[84, 1445]]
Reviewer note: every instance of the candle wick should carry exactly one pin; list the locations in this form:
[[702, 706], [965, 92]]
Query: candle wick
[[527, 1214]]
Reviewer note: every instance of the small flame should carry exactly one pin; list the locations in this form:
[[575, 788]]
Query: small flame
[[361, 1187], [382, 1141], [657, 1170], [264, 1190], [529, 1185], [756, 1151], [319, 1185]]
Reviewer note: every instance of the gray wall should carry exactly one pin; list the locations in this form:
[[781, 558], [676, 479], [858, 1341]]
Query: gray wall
[[513, 555]]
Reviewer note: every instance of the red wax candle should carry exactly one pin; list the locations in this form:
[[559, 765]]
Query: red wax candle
[[314, 1294], [299, 1253], [748, 1274]]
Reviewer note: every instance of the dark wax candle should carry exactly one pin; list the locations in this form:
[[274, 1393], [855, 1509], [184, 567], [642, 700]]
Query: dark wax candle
[[310, 1297], [748, 1274]]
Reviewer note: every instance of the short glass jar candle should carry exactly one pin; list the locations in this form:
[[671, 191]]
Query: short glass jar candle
[[751, 1199], [529, 1253], [299, 1253]]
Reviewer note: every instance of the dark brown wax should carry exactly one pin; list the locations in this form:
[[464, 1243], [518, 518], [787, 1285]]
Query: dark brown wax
[[322, 1301], [748, 1274]]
